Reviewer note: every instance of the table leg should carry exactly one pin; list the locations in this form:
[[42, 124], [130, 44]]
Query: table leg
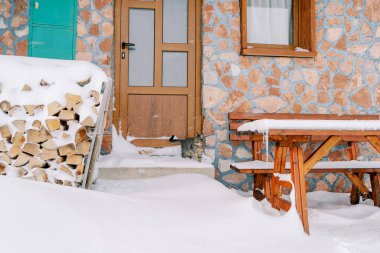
[[267, 186], [297, 169], [258, 179], [279, 167], [355, 193], [375, 183]]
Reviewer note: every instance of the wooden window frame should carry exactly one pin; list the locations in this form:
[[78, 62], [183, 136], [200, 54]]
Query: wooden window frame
[[304, 33]]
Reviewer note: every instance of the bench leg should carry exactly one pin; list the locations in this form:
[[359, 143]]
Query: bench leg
[[267, 186], [375, 183], [297, 168], [258, 184], [355, 193]]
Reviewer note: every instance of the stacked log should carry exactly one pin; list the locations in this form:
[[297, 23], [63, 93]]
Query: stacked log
[[50, 142]]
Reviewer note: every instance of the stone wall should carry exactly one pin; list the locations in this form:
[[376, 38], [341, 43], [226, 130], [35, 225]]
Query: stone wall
[[95, 43], [14, 30], [342, 79], [94, 36]]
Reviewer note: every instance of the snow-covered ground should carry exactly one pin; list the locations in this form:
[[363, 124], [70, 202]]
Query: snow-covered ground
[[179, 213], [126, 155]]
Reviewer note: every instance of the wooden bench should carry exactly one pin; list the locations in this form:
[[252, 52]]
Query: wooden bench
[[265, 170], [262, 172]]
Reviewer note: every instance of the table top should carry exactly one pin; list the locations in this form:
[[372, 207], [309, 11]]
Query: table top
[[302, 127]]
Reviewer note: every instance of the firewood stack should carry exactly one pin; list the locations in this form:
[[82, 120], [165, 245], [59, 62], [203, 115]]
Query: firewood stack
[[48, 142]]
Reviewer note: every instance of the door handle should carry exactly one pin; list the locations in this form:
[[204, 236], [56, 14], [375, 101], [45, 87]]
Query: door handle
[[127, 44]]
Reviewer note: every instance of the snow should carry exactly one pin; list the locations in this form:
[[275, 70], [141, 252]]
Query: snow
[[264, 125], [320, 165], [179, 213], [62, 75], [125, 154]]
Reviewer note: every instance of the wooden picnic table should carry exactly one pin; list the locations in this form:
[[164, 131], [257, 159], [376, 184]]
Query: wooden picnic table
[[289, 141]]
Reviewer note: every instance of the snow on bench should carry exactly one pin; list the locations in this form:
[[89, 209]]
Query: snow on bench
[[264, 125], [331, 166]]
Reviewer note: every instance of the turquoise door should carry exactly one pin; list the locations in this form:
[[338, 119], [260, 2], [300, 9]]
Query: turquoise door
[[53, 28]]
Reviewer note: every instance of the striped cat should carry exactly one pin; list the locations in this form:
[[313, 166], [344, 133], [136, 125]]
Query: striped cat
[[192, 148]]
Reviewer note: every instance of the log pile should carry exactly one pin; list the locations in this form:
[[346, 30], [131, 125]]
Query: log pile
[[47, 143], [48, 112]]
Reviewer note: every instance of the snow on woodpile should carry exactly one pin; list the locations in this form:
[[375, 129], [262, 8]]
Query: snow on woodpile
[[264, 125], [47, 110]]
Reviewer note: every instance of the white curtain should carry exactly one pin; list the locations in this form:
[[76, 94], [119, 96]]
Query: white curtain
[[269, 21]]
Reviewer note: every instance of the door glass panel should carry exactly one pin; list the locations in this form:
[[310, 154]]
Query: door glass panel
[[174, 69], [175, 21], [141, 57]]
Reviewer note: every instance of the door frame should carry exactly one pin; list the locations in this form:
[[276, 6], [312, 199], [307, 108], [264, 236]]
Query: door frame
[[118, 19]]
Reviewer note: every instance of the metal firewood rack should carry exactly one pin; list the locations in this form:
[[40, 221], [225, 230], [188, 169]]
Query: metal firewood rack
[[97, 137]]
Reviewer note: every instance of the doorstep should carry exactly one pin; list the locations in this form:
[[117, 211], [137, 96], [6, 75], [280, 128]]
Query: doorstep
[[150, 172]]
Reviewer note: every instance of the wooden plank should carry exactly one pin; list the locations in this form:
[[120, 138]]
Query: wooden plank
[[257, 153], [198, 64], [282, 204], [375, 184], [243, 26], [258, 181], [309, 138], [327, 170], [157, 90], [323, 132], [283, 159], [285, 184], [267, 186], [122, 34], [158, 37], [153, 143], [320, 152], [191, 69], [280, 159], [256, 116], [157, 117], [143, 4], [176, 47], [297, 169], [275, 191], [358, 183], [375, 142], [355, 193], [236, 137], [277, 52]]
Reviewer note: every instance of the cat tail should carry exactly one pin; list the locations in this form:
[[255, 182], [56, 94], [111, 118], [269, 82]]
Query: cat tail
[[172, 139]]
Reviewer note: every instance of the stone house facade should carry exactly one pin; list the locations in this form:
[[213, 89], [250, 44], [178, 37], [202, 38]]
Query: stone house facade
[[342, 79]]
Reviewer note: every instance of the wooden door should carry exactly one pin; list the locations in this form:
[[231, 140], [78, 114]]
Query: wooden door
[[158, 72]]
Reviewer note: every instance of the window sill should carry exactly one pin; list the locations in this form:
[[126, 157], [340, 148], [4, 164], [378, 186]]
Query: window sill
[[277, 52]]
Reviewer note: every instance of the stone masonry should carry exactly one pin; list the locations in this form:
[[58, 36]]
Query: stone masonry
[[342, 79], [14, 30], [94, 36], [95, 32]]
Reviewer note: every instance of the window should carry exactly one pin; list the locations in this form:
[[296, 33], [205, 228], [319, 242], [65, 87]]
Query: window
[[278, 28]]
